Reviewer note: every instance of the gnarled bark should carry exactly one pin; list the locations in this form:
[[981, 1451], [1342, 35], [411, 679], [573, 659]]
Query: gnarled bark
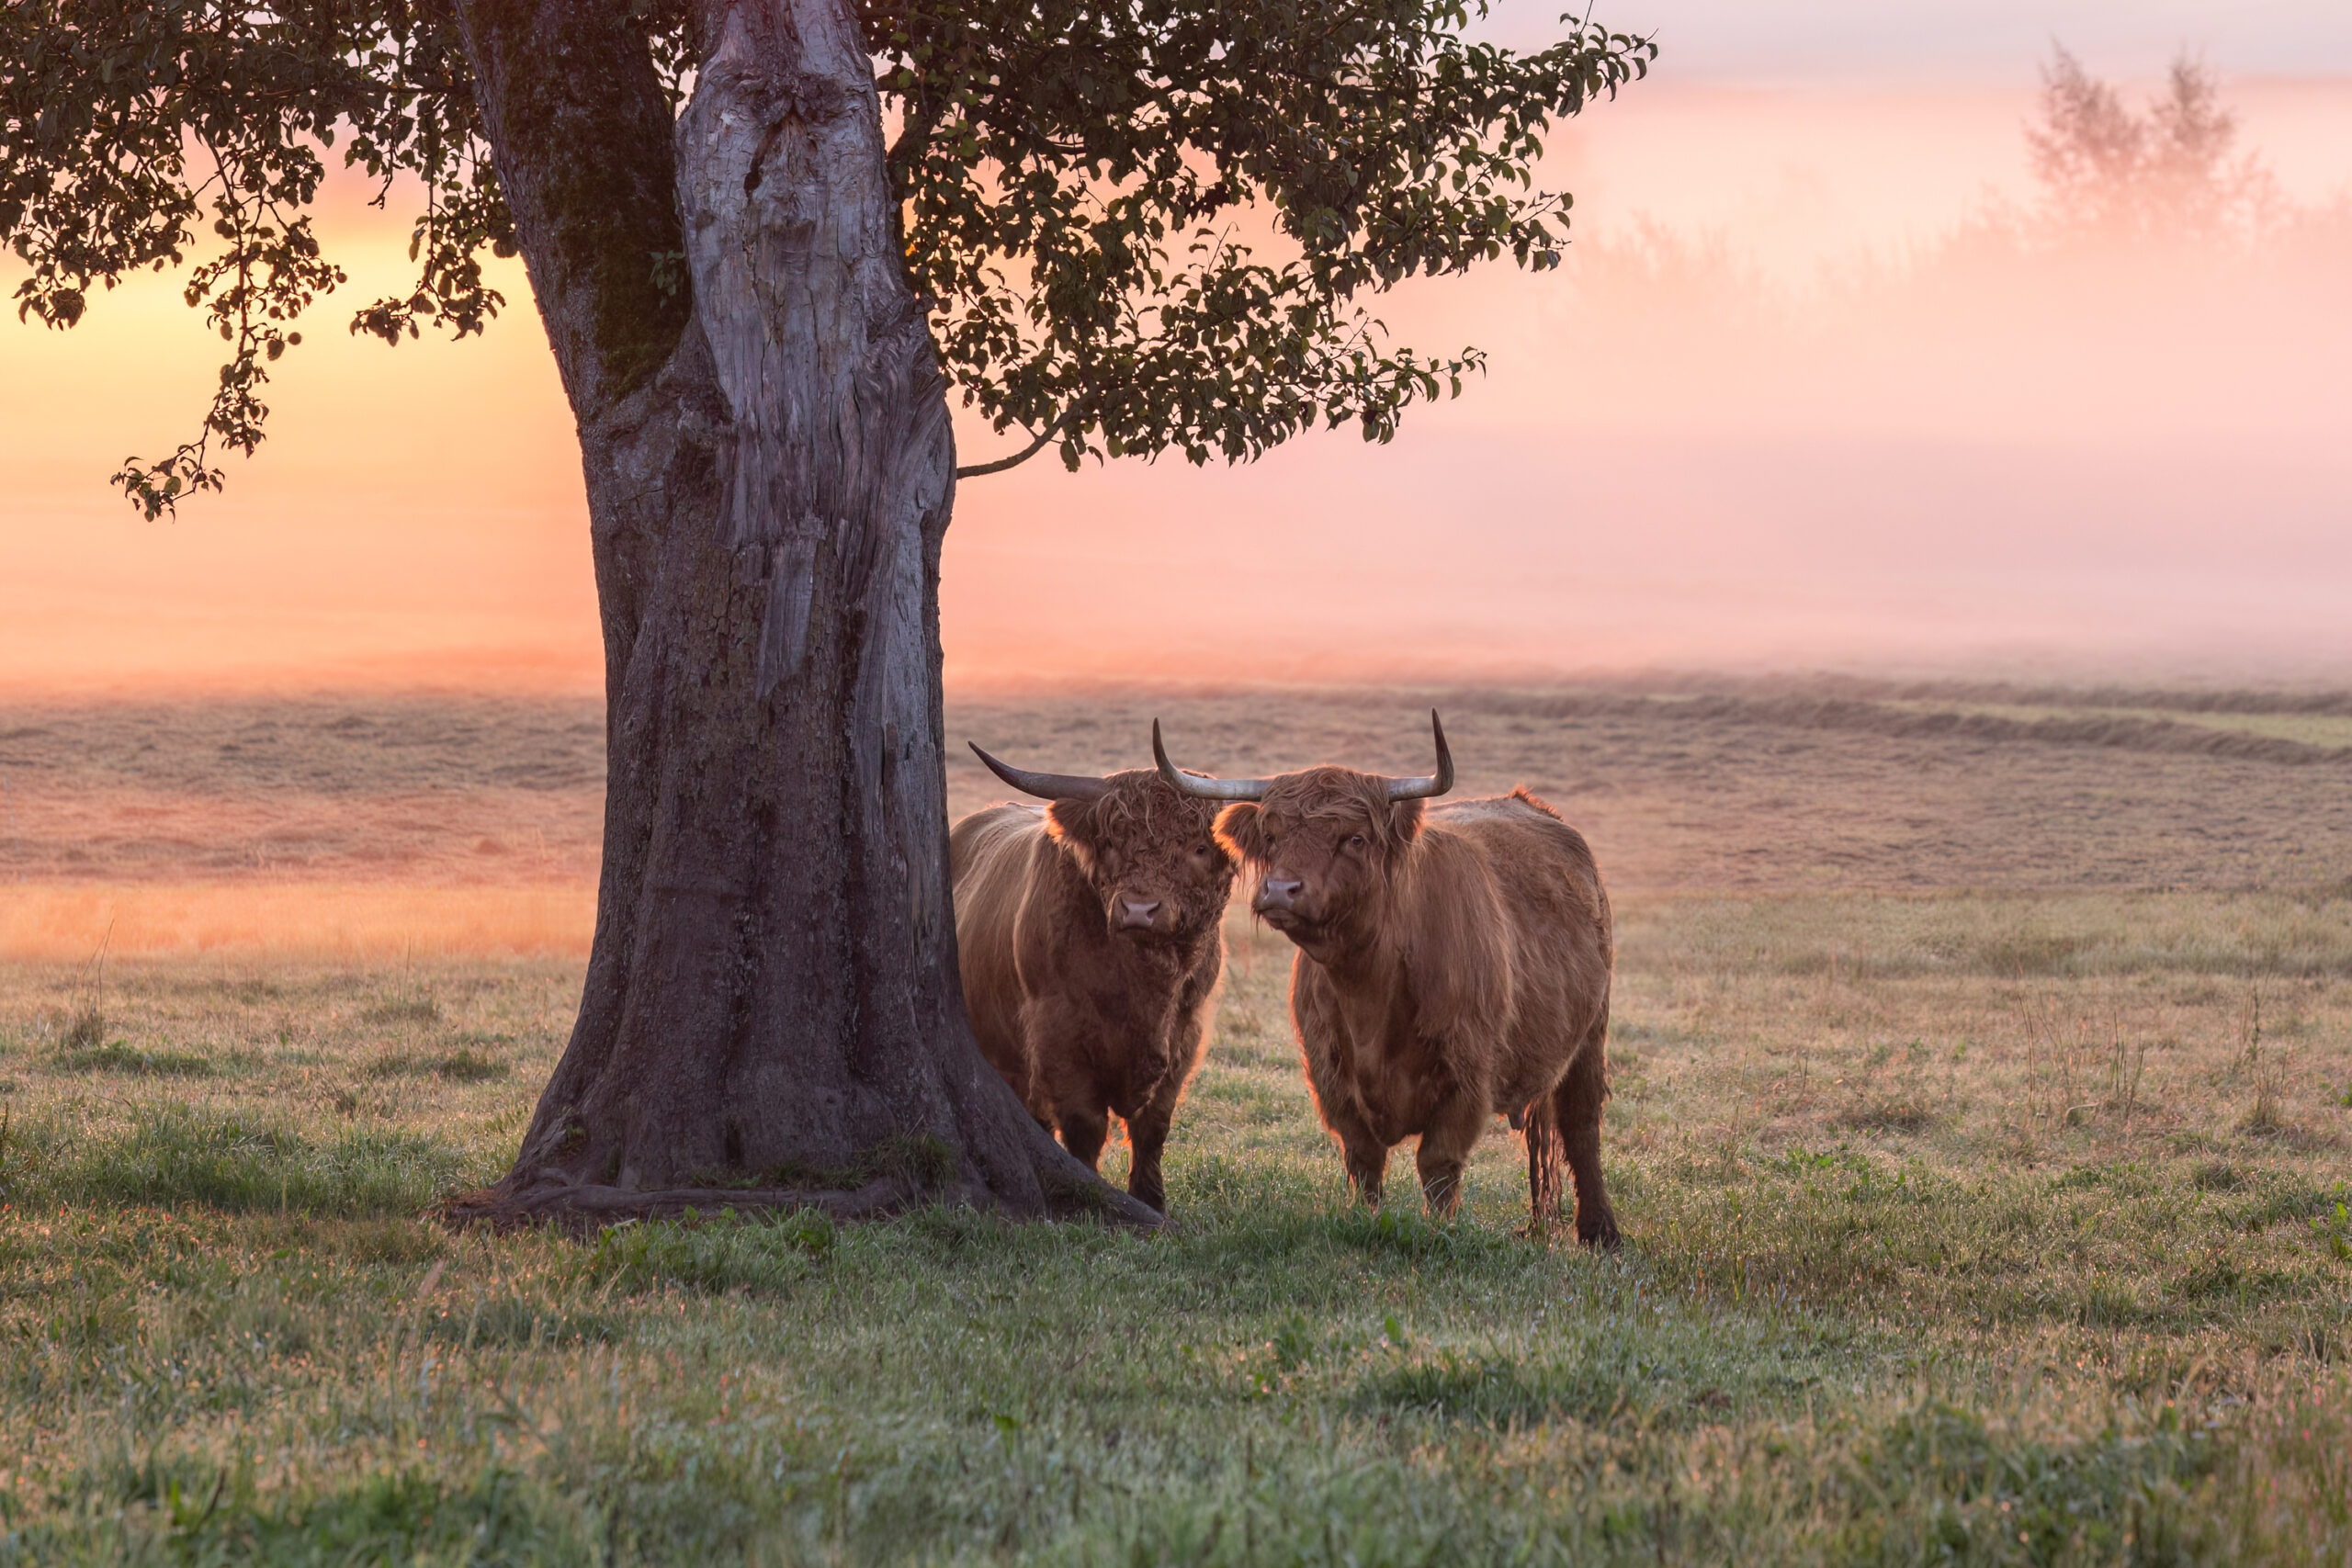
[[771, 1012]]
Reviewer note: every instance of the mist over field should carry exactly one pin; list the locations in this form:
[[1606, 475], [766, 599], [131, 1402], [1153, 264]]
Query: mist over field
[[1821, 385], [1864, 397]]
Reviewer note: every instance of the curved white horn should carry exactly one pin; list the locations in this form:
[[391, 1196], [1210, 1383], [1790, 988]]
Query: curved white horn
[[1437, 783], [1201, 788], [1045, 787]]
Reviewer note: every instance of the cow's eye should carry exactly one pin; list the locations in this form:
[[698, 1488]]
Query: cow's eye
[[1204, 850], [1358, 841]]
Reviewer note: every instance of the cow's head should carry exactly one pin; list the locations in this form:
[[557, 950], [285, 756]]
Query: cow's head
[[1145, 849], [1324, 841]]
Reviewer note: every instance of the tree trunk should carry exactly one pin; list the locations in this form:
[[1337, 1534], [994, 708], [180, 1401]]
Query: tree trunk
[[772, 1014]]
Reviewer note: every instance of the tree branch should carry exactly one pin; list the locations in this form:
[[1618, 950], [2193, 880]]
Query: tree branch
[[1052, 433]]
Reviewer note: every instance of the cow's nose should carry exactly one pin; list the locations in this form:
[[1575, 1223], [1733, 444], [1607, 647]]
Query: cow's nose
[[1279, 892], [1137, 911]]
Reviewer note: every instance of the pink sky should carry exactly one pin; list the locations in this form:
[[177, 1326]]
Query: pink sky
[[2104, 474], [1983, 41]]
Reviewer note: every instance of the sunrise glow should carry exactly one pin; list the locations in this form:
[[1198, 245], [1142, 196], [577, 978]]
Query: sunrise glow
[[1771, 413]]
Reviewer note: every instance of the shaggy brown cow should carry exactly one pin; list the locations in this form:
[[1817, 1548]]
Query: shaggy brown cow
[[1453, 962], [1089, 934]]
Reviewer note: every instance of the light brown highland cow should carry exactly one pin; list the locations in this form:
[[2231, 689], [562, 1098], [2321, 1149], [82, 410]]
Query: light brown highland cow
[[1453, 963]]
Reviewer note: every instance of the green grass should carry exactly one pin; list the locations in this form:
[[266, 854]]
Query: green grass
[[170, 1158], [402, 1010], [1931, 1256], [117, 1058], [461, 1064], [2331, 731]]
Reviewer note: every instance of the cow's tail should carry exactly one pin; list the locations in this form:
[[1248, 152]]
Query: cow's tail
[[1546, 1160]]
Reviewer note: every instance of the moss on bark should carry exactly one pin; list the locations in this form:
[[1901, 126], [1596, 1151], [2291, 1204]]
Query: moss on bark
[[572, 93]]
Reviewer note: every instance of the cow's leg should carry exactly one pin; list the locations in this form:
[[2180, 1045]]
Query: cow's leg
[[1147, 1136], [1360, 1150], [1577, 1105], [1366, 1158], [1058, 1032], [1445, 1148], [1147, 1128], [1084, 1128]]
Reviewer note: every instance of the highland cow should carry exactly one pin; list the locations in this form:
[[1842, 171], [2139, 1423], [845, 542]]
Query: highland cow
[[1090, 939], [1453, 962]]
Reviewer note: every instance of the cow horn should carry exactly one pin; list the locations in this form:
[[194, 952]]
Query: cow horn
[[1437, 783], [1045, 787], [1199, 787]]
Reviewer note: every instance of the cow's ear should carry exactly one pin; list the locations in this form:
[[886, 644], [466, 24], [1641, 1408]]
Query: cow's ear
[[1241, 829], [1071, 823], [1405, 820]]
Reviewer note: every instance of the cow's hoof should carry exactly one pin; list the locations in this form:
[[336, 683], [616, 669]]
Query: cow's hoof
[[1602, 1238]]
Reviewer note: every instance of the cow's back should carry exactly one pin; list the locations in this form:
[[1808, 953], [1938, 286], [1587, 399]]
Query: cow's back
[[992, 857], [1539, 862], [1562, 943]]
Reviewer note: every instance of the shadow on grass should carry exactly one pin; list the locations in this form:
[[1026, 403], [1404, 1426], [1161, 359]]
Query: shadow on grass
[[118, 1057], [192, 1511], [764, 1253], [1507, 1392], [173, 1157], [461, 1064]]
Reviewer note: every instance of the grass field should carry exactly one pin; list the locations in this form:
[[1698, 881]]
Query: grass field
[[1982, 1204]]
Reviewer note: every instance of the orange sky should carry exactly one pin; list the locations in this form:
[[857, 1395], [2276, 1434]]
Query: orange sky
[[1738, 465]]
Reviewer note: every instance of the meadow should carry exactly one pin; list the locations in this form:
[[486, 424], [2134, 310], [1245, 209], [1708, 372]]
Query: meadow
[[1981, 1135]]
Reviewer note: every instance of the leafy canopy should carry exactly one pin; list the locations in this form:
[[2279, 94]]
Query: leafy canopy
[[1143, 226]]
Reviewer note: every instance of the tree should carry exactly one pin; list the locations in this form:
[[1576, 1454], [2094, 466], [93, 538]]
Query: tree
[[2170, 172], [764, 236]]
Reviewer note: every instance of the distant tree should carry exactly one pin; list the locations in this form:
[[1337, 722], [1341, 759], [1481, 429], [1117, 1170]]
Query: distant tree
[[765, 236], [2172, 172]]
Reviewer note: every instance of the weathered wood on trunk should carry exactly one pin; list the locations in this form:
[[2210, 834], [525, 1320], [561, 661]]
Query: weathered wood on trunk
[[772, 994]]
